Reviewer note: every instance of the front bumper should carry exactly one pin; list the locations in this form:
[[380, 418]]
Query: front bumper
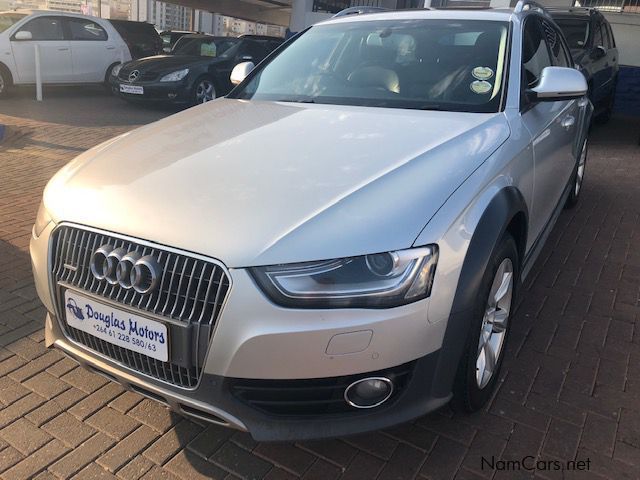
[[155, 91], [213, 400], [257, 341]]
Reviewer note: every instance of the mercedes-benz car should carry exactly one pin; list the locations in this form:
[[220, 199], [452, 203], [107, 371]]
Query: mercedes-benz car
[[335, 247], [195, 71]]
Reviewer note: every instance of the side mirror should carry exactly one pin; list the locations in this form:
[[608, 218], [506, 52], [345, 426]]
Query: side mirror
[[241, 71], [598, 52], [23, 35], [558, 83], [166, 49]]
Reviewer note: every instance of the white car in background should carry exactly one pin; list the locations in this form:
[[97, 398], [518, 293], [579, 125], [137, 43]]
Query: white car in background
[[73, 48]]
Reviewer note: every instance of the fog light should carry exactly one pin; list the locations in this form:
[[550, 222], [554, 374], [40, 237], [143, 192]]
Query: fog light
[[368, 392]]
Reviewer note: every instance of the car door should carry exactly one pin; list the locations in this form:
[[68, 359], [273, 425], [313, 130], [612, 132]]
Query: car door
[[91, 50], [55, 53], [552, 126]]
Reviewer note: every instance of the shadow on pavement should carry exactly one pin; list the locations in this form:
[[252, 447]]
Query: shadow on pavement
[[84, 106]]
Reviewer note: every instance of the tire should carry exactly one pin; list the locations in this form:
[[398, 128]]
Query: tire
[[578, 177], [5, 82], [488, 334], [107, 75], [606, 114], [204, 90]]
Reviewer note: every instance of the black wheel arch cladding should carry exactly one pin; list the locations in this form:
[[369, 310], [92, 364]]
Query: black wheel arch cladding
[[493, 224]]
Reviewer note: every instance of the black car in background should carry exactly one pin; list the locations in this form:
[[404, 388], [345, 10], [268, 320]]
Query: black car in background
[[196, 71], [593, 47]]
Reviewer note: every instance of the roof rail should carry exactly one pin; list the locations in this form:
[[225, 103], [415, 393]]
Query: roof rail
[[524, 5], [572, 9], [359, 11]]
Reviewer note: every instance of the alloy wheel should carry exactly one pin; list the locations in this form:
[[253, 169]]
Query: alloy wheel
[[205, 91], [580, 171], [494, 324]]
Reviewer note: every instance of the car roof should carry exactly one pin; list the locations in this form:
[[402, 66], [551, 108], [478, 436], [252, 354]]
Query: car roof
[[582, 13], [495, 14], [57, 13]]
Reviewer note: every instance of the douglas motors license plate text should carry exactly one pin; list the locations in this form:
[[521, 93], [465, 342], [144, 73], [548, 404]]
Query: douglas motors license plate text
[[119, 327]]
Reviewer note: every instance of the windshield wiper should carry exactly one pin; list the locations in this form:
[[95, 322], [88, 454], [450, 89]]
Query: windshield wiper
[[437, 108], [302, 100]]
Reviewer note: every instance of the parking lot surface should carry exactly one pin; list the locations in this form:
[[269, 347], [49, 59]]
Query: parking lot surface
[[570, 386]]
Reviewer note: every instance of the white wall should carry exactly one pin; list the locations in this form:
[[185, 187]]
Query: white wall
[[626, 29]]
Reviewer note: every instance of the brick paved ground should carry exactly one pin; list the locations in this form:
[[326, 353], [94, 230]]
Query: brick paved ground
[[571, 382]]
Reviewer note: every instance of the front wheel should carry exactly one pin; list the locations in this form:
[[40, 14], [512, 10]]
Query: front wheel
[[578, 177], [480, 365], [204, 90]]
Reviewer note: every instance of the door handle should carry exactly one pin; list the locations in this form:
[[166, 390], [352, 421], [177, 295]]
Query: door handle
[[568, 122], [111, 48], [63, 49]]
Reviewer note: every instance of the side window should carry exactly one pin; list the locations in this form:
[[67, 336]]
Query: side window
[[554, 40], [45, 28], [253, 49], [597, 37], [80, 29], [612, 39], [535, 54]]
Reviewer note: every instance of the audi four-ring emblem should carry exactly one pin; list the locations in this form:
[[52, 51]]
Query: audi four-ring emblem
[[128, 269]]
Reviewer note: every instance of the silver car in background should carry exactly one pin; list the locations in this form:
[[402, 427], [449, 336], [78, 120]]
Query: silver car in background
[[336, 246]]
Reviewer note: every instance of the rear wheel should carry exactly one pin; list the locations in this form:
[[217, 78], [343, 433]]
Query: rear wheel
[[606, 114], [204, 90], [480, 365], [578, 177], [5, 82]]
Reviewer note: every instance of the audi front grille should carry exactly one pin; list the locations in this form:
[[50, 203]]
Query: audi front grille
[[189, 299]]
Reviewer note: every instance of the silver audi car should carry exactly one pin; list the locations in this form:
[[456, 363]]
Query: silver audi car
[[337, 245]]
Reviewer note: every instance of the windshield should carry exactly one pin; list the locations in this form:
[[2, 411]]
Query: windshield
[[422, 64], [575, 31], [8, 19], [203, 46]]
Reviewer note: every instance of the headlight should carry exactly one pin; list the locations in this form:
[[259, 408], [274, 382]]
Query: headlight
[[116, 70], [42, 220], [380, 280], [175, 76]]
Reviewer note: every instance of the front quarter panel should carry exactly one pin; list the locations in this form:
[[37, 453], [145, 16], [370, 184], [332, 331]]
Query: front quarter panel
[[454, 225]]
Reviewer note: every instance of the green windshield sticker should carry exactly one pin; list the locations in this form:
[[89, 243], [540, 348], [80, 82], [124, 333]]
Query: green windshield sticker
[[208, 50], [481, 87], [482, 73]]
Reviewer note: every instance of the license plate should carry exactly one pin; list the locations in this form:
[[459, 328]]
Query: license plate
[[134, 89], [116, 326]]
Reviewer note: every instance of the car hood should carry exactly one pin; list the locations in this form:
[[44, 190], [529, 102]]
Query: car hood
[[164, 63], [257, 183]]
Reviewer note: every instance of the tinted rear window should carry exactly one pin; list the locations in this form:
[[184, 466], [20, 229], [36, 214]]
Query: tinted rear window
[[575, 30], [141, 37]]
